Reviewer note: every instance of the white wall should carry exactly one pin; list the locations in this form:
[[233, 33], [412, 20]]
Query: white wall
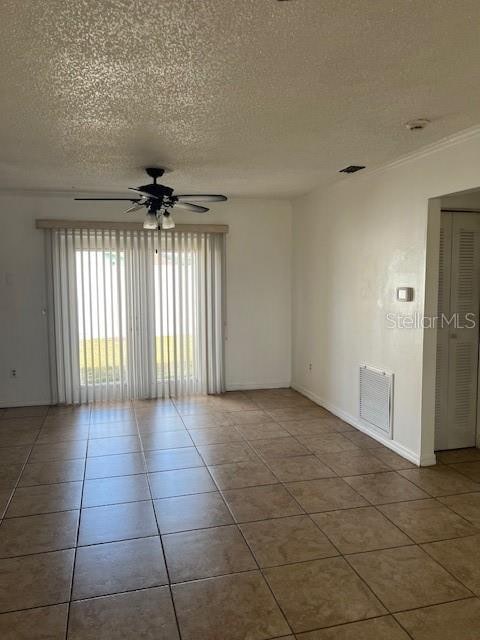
[[258, 348], [354, 243], [469, 200]]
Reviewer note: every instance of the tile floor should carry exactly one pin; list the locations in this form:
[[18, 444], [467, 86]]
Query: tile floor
[[254, 515]]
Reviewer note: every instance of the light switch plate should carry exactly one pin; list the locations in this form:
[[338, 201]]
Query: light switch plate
[[404, 294]]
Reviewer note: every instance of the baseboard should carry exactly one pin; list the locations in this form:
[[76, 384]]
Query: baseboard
[[428, 461], [258, 385], [403, 451]]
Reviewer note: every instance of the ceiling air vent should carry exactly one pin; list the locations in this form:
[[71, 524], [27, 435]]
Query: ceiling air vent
[[352, 168]]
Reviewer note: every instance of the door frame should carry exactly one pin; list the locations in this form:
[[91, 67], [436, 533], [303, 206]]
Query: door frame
[[454, 211]]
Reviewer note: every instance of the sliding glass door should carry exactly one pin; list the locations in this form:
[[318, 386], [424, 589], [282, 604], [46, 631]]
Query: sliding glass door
[[136, 314]]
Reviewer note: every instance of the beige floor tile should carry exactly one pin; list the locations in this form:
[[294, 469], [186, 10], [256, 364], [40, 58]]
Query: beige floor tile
[[159, 411], [217, 435], [262, 430], [181, 482], [111, 413], [295, 468], [232, 401], [207, 420], [59, 451], [112, 429], [469, 469], [52, 472], [103, 569], [4, 499], [117, 522], [328, 443], [451, 621], [170, 459], [325, 494], [384, 628], [260, 503], [14, 455], [9, 475], [185, 513], [197, 406], [458, 455], [16, 425], [393, 460], [158, 406], [427, 520], [321, 593], [45, 498], [277, 402], [308, 427], [115, 445], [361, 529], [156, 425], [338, 425], [25, 412], [242, 474], [461, 557], [56, 433], [146, 614], [256, 416], [381, 488], [272, 448], [124, 464], [11, 435], [103, 491], [38, 534], [466, 505], [440, 480], [66, 421], [406, 578], [206, 552], [355, 462], [45, 623], [297, 413], [35, 581], [232, 607], [286, 540], [226, 453], [166, 440], [363, 441]]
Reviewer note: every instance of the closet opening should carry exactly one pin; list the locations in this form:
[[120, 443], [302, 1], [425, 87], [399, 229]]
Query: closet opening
[[457, 405]]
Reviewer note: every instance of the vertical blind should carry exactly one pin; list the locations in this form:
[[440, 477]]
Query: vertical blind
[[135, 314]]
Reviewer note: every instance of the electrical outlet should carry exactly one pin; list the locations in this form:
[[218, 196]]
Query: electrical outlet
[[310, 366], [13, 373]]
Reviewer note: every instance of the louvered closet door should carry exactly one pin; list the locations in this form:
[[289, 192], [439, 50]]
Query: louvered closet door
[[463, 339], [441, 381]]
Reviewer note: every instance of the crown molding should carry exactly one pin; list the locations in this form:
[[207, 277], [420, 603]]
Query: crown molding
[[423, 152]]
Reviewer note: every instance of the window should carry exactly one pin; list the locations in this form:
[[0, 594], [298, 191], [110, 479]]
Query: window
[[136, 314]]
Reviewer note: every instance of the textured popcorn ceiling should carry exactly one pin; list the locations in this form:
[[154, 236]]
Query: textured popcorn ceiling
[[246, 97]]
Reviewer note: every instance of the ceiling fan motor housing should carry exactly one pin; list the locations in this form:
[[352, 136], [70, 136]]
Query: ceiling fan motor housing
[[155, 172]]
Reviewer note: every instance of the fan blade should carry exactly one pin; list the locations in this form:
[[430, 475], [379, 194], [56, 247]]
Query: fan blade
[[127, 199], [144, 194], [188, 206], [135, 207], [202, 198]]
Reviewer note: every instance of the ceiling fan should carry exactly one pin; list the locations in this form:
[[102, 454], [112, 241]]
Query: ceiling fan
[[159, 200]]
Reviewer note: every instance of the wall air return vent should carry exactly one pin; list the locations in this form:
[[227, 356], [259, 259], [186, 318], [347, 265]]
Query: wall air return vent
[[352, 168], [376, 399]]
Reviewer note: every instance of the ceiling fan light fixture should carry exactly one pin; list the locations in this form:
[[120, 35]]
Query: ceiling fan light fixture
[[158, 199], [150, 221], [168, 222]]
